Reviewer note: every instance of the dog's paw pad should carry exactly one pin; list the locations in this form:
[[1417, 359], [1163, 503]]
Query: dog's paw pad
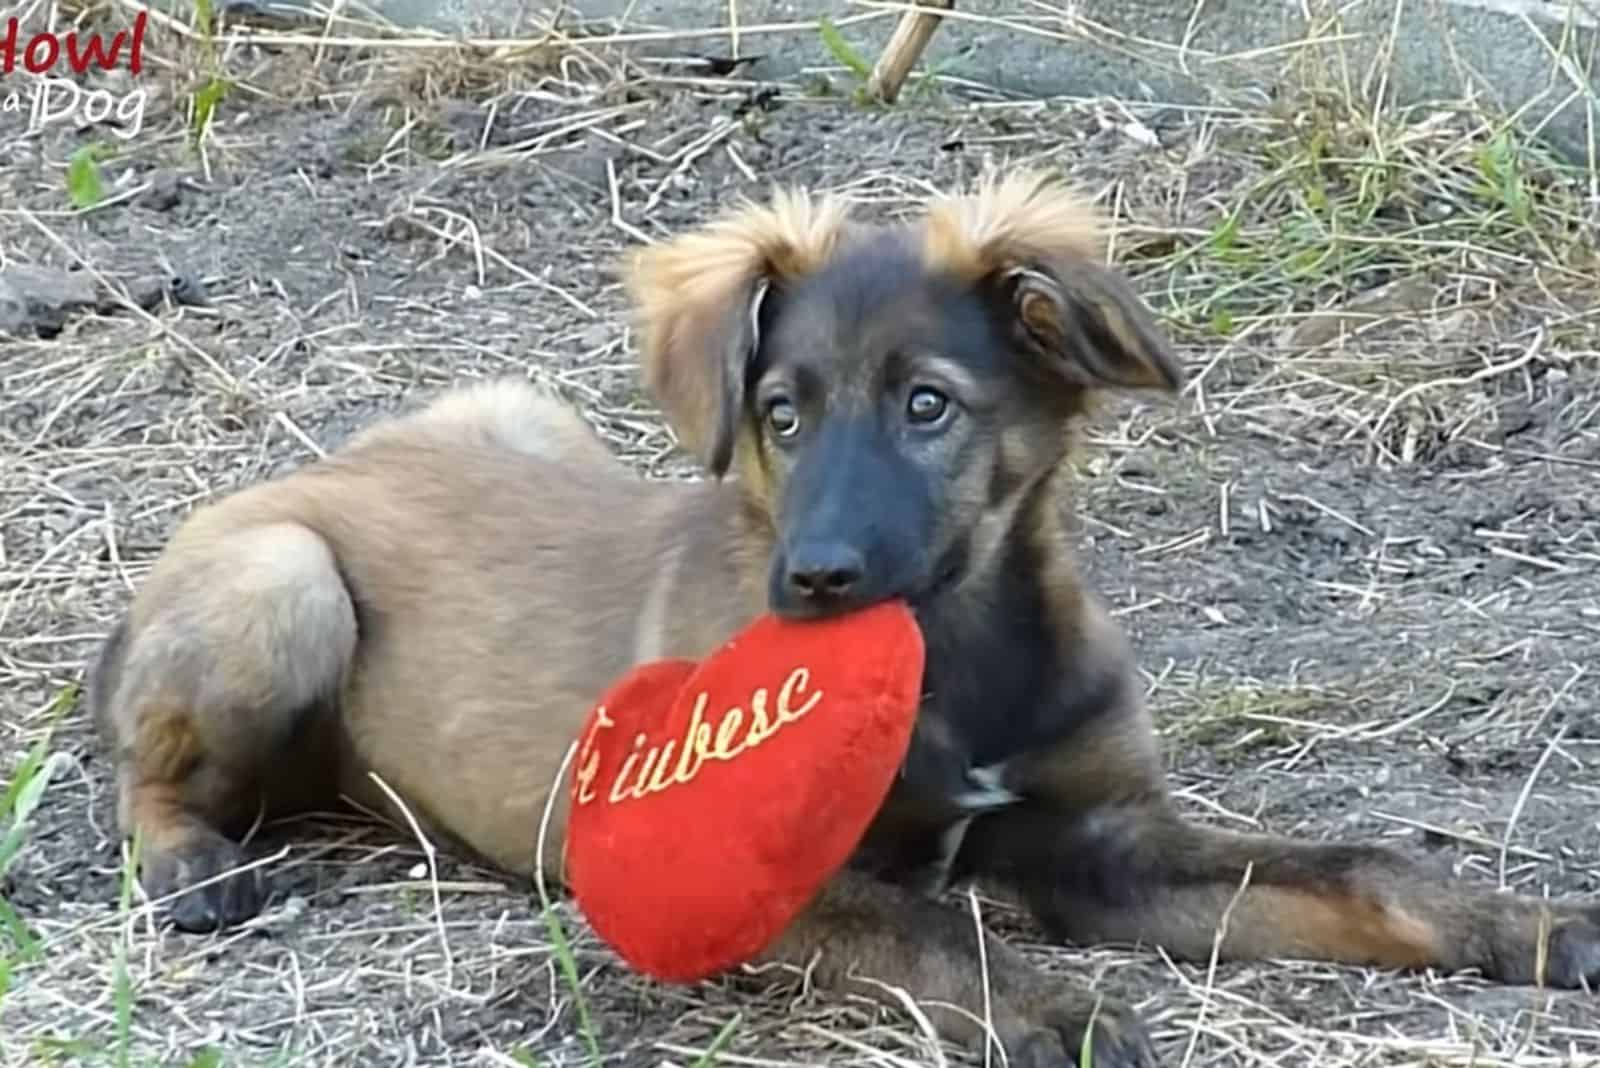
[[211, 894], [1574, 953], [1120, 1040]]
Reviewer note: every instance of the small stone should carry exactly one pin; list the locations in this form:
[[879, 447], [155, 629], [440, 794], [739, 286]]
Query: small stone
[[40, 298], [1332, 532], [595, 337], [49, 287], [187, 289], [463, 125], [166, 190], [13, 310], [147, 292]]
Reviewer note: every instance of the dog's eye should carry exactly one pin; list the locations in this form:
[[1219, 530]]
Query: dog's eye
[[927, 405], [782, 417]]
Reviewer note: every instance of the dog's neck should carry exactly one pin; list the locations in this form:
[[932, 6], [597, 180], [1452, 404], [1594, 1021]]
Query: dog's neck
[[1004, 676], [998, 639]]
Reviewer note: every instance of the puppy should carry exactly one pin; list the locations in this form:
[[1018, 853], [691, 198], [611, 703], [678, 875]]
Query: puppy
[[884, 411]]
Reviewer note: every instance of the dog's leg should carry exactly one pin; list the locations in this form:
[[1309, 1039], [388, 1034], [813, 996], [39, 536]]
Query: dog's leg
[[866, 936], [1142, 874], [213, 694], [1098, 858]]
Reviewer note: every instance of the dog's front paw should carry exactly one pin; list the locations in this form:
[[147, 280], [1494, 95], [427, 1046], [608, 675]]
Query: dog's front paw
[[1057, 1037], [210, 894], [1572, 957], [1531, 942]]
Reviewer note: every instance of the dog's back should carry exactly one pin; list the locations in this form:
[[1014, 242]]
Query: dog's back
[[530, 569]]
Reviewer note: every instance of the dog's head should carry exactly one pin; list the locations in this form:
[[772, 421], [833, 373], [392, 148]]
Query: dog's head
[[889, 394]]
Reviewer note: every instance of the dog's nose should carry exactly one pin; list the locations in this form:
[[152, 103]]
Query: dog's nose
[[824, 570]]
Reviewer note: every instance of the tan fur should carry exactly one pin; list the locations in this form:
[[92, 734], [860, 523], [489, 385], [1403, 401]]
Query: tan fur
[[166, 747], [682, 289], [501, 414], [1325, 925], [1007, 220], [439, 602]]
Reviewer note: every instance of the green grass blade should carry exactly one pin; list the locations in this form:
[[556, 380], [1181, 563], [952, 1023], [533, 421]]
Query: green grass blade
[[1086, 1047], [840, 49], [569, 967], [27, 945], [121, 980], [709, 1057], [206, 99], [85, 187], [26, 788]]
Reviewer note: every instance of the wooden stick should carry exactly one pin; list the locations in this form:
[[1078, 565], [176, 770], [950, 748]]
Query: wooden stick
[[911, 36]]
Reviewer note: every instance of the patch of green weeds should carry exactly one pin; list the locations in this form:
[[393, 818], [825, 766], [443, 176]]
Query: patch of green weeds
[[856, 66], [17, 805], [842, 50], [1501, 166], [213, 87], [1341, 191], [20, 948], [1343, 202], [86, 185]]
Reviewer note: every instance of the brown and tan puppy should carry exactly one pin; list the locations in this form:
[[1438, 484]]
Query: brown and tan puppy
[[885, 410]]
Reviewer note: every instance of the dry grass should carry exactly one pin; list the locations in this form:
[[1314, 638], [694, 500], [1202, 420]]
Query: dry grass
[[1381, 312]]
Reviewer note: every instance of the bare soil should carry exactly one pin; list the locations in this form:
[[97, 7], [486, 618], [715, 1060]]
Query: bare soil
[[1362, 575]]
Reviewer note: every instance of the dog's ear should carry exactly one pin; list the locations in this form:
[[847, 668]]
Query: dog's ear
[[698, 300], [1037, 246]]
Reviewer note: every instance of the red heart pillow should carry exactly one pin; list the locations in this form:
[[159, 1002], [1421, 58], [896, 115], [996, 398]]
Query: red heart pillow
[[710, 803]]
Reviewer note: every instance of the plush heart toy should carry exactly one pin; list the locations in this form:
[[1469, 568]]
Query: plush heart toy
[[711, 802]]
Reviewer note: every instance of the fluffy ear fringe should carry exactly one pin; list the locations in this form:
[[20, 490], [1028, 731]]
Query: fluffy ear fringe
[[1047, 241], [1003, 222], [692, 293], [791, 236], [1011, 221]]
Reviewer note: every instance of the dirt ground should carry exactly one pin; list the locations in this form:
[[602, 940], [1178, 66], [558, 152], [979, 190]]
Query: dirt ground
[[1361, 569]]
